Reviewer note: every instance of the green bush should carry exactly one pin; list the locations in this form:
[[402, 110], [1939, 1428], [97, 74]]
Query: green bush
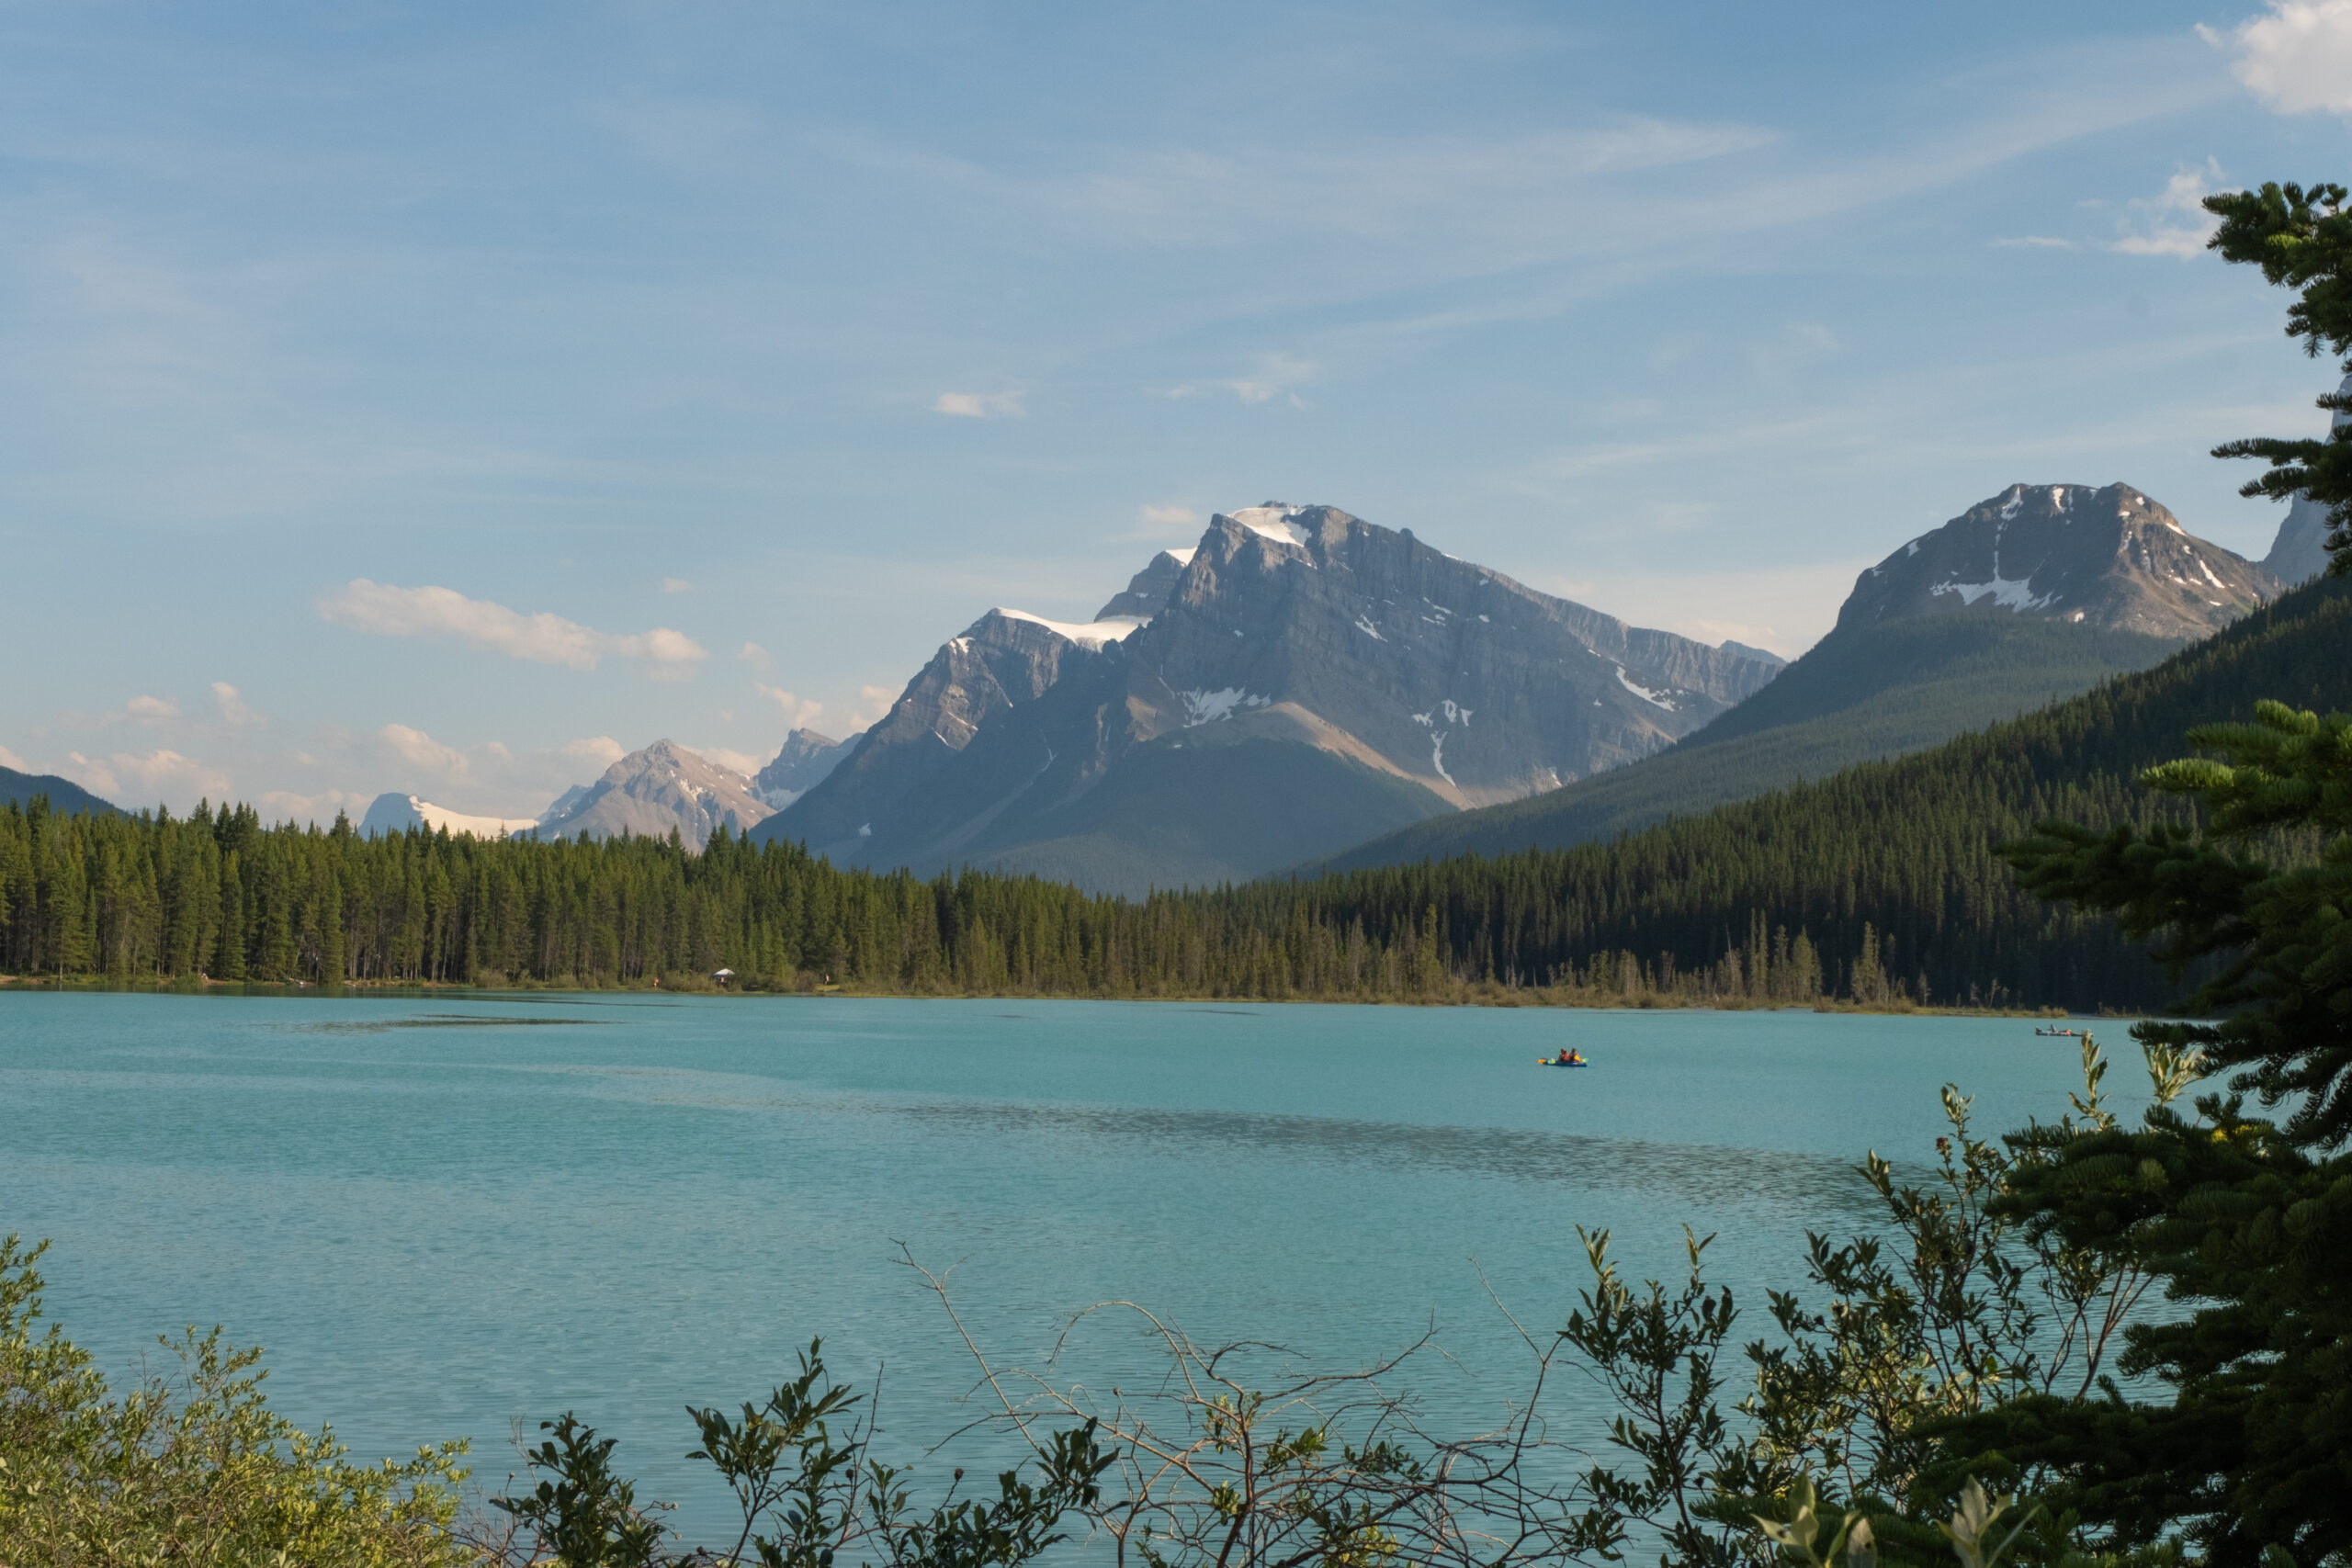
[[189, 1468]]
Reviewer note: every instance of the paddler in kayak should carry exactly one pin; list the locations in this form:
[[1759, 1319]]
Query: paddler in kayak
[[1568, 1058]]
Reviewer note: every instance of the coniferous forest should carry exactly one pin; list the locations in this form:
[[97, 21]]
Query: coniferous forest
[[1882, 884]]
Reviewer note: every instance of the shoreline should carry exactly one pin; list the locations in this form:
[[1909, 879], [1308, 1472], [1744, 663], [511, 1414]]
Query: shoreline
[[1465, 995]]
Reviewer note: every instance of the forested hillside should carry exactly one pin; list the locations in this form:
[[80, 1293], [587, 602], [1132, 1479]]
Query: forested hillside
[[1883, 880], [62, 793]]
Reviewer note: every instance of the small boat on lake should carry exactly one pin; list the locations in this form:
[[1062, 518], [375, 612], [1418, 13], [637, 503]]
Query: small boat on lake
[[2065, 1033], [1565, 1059]]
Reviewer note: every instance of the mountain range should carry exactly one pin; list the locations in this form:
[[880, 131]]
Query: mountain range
[[1303, 687], [2037, 593], [1298, 681]]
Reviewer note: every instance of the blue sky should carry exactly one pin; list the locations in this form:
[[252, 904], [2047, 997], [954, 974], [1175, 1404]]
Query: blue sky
[[443, 398]]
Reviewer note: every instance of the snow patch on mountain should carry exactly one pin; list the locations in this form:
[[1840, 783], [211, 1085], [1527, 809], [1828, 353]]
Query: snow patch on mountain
[[1089, 633], [1273, 521], [1206, 707], [2016, 594], [1657, 699], [396, 813]]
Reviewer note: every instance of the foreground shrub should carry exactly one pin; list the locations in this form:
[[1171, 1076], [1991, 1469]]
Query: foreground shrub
[[191, 1468]]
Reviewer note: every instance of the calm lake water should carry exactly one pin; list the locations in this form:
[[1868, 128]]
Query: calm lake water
[[444, 1215]]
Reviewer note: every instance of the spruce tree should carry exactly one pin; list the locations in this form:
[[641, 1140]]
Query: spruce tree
[[2303, 240]]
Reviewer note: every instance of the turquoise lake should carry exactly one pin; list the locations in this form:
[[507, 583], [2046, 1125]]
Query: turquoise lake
[[441, 1221]]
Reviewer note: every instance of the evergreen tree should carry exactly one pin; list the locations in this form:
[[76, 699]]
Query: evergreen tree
[[2300, 238]]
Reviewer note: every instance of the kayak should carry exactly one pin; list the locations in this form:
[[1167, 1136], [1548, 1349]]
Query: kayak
[[1551, 1061]]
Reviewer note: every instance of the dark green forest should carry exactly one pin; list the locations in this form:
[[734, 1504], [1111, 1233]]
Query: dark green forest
[[1879, 884]]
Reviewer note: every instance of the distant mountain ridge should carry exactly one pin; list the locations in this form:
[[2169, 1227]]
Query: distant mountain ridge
[[63, 794], [1299, 675], [2034, 595]]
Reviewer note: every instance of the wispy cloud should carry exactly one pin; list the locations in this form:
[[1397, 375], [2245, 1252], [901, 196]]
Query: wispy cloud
[[1274, 376], [734, 762], [542, 639], [796, 709], [758, 658], [128, 778], [2174, 223], [676, 585], [980, 405], [11, 760], [2297, 57], [1172, 516], [2031, 243], [150, 710], [233, 711], [600, 752], [423, 753]]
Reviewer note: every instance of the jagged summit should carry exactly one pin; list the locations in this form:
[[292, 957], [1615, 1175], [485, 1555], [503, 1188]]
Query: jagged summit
[[649, 792], [1148, 591], [803, 760], [2106, 557], [1298, 678]]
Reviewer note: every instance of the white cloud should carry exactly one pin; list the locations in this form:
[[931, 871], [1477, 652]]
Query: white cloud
[[132, 777], [874, 705], [758, 658], [600, 752], [232, 705], [741, 762], [979, 405], [11, 760], [1273, 377], [2031, 243], [2176, 223], [543, 638], [676, 585], [150, 710], [2298, 58], [797, 710], [1172, 515], [288, 805], [419, 750]]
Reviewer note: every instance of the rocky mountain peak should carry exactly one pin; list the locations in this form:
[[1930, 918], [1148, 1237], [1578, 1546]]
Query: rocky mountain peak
[[650, 792], [1148, 591], [2107, 556], [799, 765], [1299, 677]]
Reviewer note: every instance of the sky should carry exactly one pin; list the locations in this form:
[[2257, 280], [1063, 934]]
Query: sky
[[444, 399]]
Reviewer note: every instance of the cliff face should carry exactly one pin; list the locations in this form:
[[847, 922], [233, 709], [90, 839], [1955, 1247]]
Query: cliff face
[[1474, 686], [2108, 557], [1301, 671]]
